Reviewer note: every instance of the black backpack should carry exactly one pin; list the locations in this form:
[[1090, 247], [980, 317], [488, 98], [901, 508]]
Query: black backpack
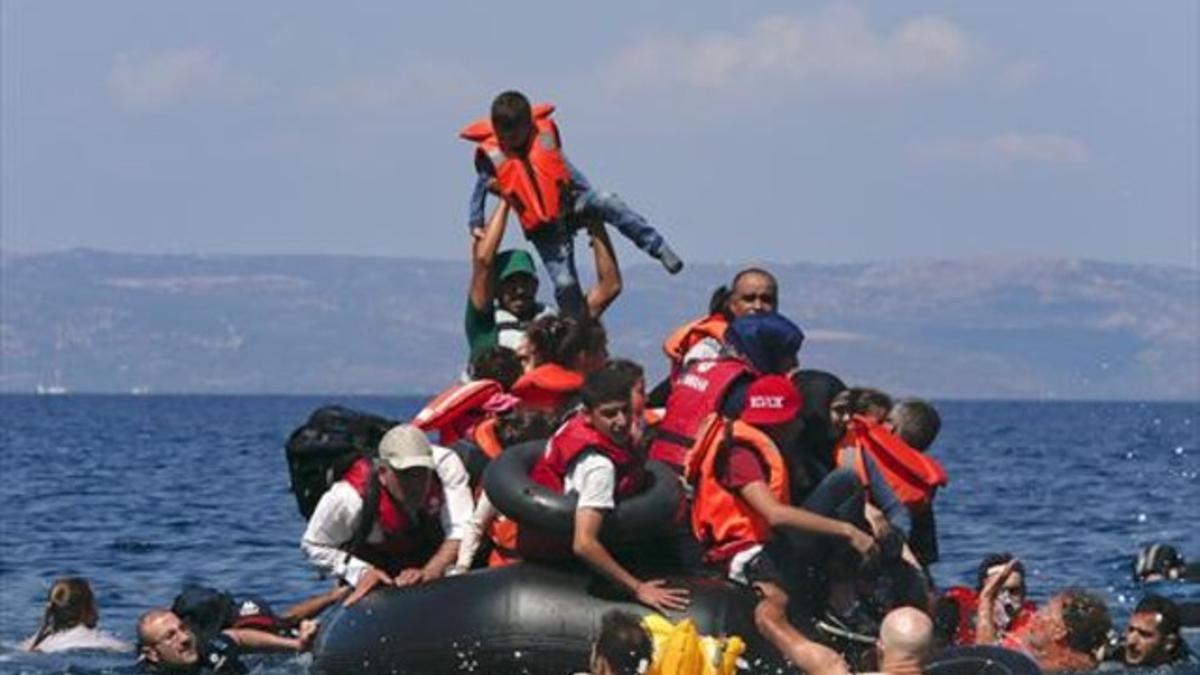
[[321, 450]]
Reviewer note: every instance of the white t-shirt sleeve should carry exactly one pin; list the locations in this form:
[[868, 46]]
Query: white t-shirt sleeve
[[331, 526], [708, 348], [458, 505], [594, 478]]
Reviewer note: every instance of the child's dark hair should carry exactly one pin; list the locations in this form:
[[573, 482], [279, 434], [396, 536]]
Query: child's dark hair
[[497, 363], [562, 340], [862, 401], [916, 421], [68, 604], [995, 560], [624, 644], [511, 112], [518, 426], [604, 386]]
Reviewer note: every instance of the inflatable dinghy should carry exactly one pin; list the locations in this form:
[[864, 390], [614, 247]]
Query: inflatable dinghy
[[522, 618]]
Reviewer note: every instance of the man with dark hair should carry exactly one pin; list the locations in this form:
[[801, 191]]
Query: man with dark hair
[[1065, 634], [592, 455], [916, 421], [1152, 637], [519, 156]]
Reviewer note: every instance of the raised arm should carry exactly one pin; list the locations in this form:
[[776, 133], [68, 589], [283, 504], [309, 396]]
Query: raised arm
[[608, 273], [483, 259]]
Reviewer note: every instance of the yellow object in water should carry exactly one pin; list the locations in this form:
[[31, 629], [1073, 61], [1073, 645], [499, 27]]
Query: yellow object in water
[[679, 649]]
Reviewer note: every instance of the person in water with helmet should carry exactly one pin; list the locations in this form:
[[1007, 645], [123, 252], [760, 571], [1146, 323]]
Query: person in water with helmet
[[502, 296], [592, 455], [743, 516], [396, 520], [69, 621], [519, 156]]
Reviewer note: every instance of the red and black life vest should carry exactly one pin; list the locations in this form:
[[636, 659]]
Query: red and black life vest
[[575, 437], [535, 184], [409, 538], [697, 393]]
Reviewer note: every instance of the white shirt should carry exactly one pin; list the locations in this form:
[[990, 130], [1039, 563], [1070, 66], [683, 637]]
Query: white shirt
[[336, 517], [707, 348], [79, 637], [594, 478]]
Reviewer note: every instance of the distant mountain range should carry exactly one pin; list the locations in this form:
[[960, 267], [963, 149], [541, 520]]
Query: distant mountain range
[[85, 320]]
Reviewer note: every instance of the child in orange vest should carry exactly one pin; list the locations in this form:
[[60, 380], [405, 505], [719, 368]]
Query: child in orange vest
[[519, 156]]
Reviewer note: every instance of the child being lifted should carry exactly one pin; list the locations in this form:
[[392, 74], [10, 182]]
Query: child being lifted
[[519, 156]]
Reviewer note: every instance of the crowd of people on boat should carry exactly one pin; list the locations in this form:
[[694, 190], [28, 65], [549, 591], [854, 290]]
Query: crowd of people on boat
[[818, 496]]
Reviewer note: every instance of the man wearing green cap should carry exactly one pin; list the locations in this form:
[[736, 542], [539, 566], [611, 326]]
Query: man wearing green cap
[[502, 299]]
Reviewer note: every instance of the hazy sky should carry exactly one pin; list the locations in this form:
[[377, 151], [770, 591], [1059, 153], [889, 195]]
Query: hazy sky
[[772, 131]]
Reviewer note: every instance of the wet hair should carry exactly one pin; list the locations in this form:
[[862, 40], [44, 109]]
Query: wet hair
[[718, 302], [1086, 618], [917, 422], [994, 560], [623, 643], [557, 339], [604, 386], [511, 112], [69, 603], [1169, 622], [497, 363], [518, 426]]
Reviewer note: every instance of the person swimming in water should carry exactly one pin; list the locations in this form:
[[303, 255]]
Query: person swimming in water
[[69, 621], [1153, 635]]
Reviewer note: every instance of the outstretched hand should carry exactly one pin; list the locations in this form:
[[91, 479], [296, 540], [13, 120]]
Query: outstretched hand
[[306, 633], [991, 587], [369, 580], [657, 595]]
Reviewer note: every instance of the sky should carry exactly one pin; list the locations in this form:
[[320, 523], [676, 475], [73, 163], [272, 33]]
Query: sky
[[765, 131]]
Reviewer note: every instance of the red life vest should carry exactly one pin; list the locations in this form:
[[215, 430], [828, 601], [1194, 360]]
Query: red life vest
[[533, 184], [682, 339], [572, 439], [547, 387], [913, 476], [967, 602], [406, 543], [457, 408], [697, 393], [722, 521]]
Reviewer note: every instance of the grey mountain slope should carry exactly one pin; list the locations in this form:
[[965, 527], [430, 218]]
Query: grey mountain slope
[[95, 321]]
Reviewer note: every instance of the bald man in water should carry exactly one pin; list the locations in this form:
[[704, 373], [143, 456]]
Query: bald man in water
[[905, 642]]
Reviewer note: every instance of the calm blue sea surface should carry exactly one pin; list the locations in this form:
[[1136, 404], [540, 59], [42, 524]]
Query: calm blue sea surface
[[142, 494]]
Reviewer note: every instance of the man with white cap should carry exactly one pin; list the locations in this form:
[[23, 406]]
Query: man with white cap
[[392, 520]]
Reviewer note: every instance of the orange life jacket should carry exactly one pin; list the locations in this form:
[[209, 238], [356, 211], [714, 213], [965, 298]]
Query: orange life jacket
[[547, 387], [534, 184], [501, 531], [698, 392], [722, 521], [484, 435], [682, 339], [457, 408], [913, 476]]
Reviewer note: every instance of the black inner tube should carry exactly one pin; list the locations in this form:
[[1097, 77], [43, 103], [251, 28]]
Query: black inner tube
[[517, 496]]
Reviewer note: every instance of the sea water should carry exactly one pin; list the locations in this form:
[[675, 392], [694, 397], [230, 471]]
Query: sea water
[[141, 494]]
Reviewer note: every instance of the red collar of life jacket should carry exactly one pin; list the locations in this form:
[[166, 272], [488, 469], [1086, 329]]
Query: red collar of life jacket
[[697, 393], [721, 520], [457, 408], [392, 522], [572, 439], [534, 183], [682, 339], [546, 387]]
